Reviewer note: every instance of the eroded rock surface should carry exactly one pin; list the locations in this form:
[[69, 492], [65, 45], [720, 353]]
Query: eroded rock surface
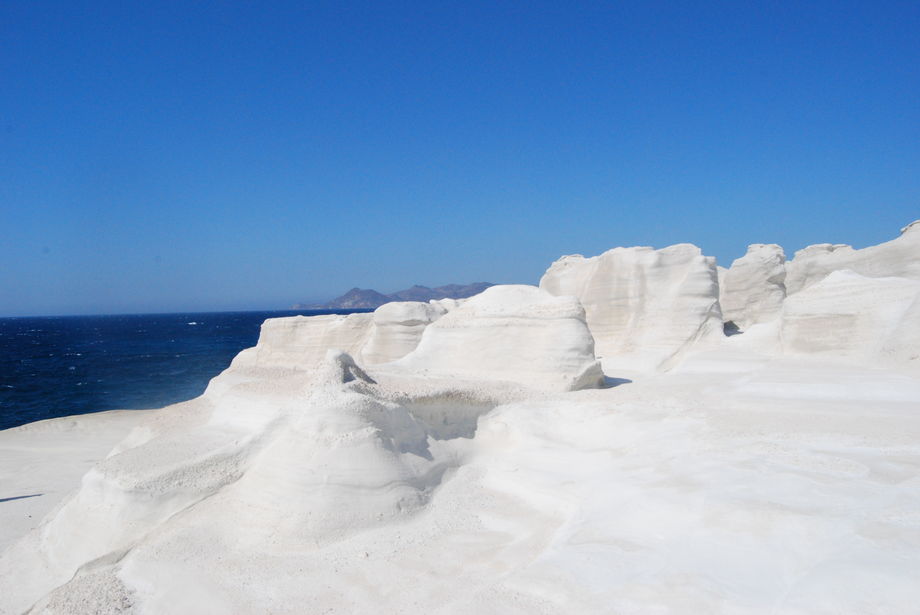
[[875, 321], [519, 334], [896, 258], [398, 328], [643, 306], [753, 289]]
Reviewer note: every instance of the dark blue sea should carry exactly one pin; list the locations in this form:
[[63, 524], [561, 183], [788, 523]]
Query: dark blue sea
[[58, 366]]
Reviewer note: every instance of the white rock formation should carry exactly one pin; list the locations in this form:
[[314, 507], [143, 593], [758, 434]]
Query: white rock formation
[[398, 327], [753, 289], [301, 342], [517, 334], [896, 258], [720, 273], [875, 321], [643, 306], [40, 457], [332, 438], [745, 486], [749, 480]]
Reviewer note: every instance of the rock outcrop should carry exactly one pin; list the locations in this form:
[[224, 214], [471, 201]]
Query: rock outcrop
[[301, 342], [317, 475], [327, 462], [398, 327], [514, 334], [830, 299], [898, 258], [643, 306], [753, 289], [850, 316]]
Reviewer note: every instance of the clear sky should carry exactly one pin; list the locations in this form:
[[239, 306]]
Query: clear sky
[[171, 156]]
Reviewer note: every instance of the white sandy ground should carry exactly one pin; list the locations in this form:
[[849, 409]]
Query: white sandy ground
[[736, 483], [42, 462]]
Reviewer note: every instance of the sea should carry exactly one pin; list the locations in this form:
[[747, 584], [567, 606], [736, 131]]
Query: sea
[[64, 365]]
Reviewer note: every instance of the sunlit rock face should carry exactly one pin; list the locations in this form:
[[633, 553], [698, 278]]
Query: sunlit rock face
[[896, 258], [753, 289], [517, 334], [771, 471], [643, 306], [875, 321], [292, 347], [301, 342], [398, 328], [331, 459]]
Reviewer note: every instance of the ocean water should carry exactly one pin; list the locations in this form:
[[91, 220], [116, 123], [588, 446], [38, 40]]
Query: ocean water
[[58, 366]]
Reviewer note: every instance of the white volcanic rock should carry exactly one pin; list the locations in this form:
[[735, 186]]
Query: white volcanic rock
[[518, 334], [746, 481], [291, 347], [898, 258], [643, 306], [369, 459], [398, 327], [743, 486], [847, 315], [447, 304], [720, 273], [753, 289], [44, 461], [301, 342]]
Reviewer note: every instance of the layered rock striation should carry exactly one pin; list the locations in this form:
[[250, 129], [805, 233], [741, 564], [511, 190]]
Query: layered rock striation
[[643, 306], [753, 289], [874, 321], [899, 257], [518, 334], [314, 472], [398, 328]]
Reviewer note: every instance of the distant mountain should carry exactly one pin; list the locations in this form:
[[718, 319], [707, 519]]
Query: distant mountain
[[356, 298], [366, 298], [450, 291]]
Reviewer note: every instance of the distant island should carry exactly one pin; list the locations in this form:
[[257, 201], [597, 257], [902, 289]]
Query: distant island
[[358, 298]]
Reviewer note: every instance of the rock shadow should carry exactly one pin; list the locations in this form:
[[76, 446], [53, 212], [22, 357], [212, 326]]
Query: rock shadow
[[610, 382], [448, 417], [20, 497]]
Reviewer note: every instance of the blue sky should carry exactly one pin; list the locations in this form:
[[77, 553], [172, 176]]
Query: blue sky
[[172, 156]]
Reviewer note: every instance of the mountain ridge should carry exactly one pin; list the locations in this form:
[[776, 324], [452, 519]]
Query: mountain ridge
[[368, 298]]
